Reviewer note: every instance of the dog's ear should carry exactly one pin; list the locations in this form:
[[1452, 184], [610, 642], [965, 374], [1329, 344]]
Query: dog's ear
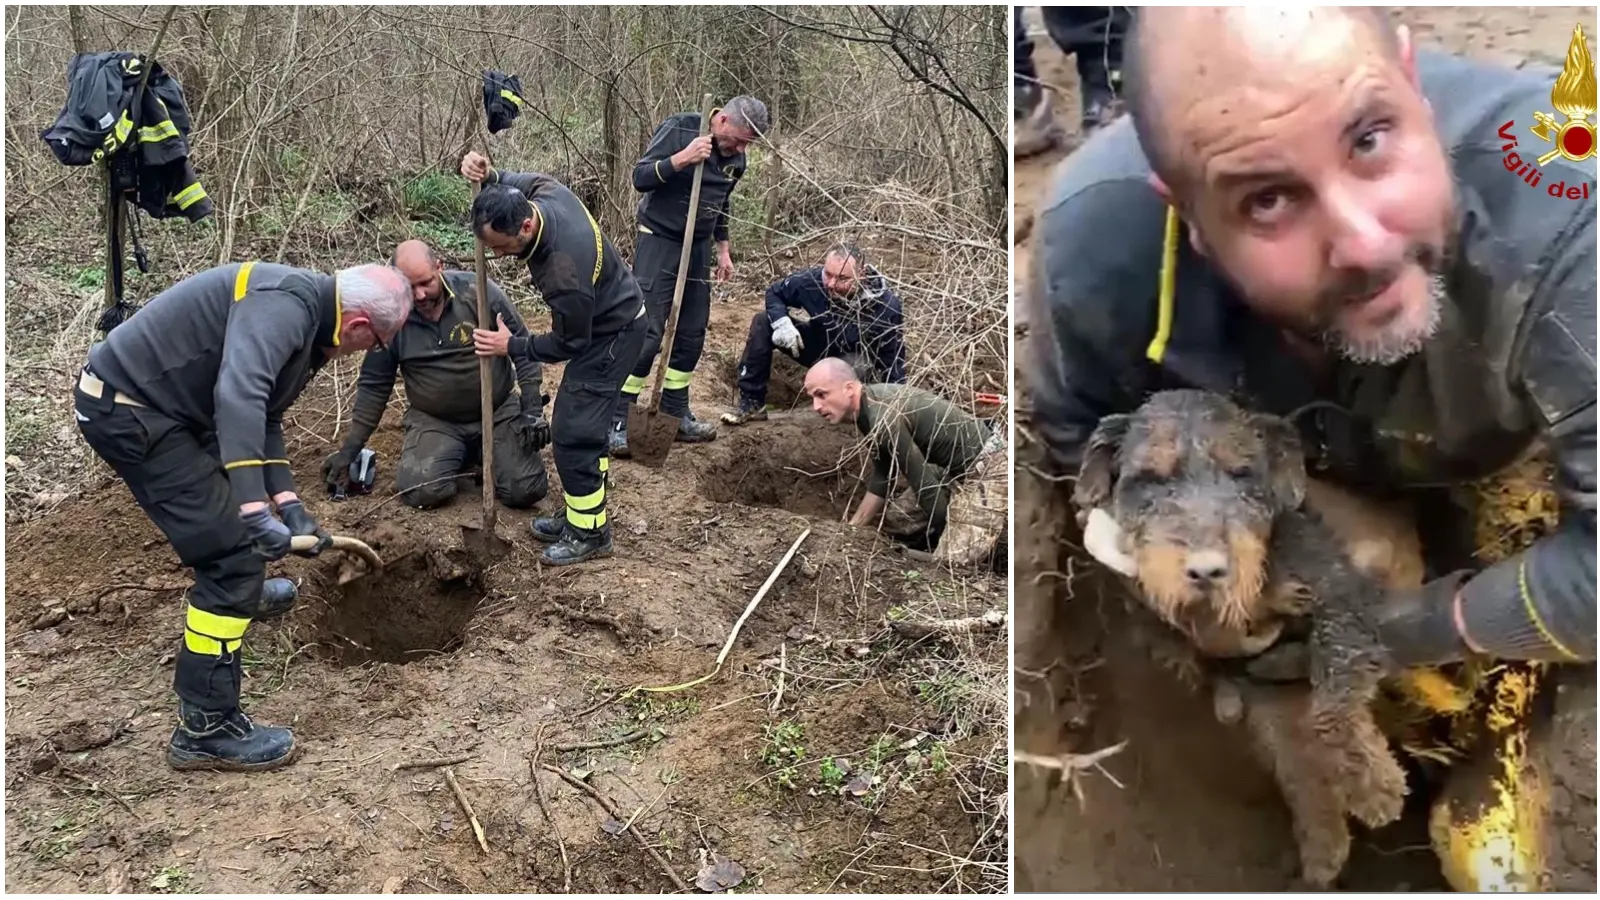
[[1286, 461], [1096, 470]]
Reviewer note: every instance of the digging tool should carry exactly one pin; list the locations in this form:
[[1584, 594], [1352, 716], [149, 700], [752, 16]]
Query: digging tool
[[350, 545], [650, 432], [480, 540]]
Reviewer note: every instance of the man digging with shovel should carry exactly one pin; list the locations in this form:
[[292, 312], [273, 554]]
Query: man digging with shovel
[[665, 177], [185, 401], [597, 326]]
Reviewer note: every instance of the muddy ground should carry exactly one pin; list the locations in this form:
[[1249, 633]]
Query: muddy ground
[[1183, 807], [830, 753]]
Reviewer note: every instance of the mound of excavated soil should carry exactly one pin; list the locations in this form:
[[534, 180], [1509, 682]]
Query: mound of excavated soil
[[800, 464]]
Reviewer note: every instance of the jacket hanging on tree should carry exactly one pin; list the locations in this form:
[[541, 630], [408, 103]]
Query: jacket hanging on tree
[[147, 148], [502, 99]]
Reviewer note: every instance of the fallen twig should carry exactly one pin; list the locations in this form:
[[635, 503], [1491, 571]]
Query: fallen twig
[[538, 793], [611, 811], [783, 660], [591, 708], [601, 745], [431, 763], [397, 495], [466, 807], [992, 620], [1071, 764], [130, 586]]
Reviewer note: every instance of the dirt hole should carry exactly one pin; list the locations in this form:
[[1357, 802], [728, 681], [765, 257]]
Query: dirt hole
[[802, 467], [418, 607]]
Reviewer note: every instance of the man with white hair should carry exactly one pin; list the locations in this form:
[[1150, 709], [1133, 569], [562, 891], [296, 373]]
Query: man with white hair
[[185, 401]]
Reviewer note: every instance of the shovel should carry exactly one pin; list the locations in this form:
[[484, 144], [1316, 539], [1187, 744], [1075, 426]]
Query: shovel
[[650, 432], [480, 540], [350, 571]]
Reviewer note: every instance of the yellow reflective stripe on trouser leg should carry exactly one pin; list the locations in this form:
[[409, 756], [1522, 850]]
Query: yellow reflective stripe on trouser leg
[[589, 510], [212, 635], [676, 379], [633, 385], [241, 282]]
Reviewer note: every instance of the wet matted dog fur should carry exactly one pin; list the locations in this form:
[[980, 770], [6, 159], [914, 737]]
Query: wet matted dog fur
[[1211, 501]]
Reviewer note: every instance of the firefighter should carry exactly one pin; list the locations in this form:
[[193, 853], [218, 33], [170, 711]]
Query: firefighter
[[1305, 211], [436, 355], [842, 308], [185, 402], [597, 326], [665, 176], [914, 434]]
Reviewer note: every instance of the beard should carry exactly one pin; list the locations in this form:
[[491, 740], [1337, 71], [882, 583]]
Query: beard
[[1410, 329]]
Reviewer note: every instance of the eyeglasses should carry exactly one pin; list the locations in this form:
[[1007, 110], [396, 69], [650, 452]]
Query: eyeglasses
[[377, 338]]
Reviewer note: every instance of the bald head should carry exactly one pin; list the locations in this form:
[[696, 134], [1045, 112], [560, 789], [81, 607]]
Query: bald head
[[1203, 60], [422, 267], [834, 389]]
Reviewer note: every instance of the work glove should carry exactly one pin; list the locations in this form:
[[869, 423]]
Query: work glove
[[336, 470], [299, 520], [531, 429], [1102, 537], [1418, 626], [785, 335], [269, 537]]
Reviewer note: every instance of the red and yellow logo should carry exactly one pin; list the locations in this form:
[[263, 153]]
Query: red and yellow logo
[[1573, 96]]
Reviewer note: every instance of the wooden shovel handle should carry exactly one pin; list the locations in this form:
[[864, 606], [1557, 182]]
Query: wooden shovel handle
[[683, 265], [485, 378], [340, 542]]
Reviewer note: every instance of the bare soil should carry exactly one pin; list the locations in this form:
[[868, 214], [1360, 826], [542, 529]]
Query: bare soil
[[435, 657], [1183, 806]]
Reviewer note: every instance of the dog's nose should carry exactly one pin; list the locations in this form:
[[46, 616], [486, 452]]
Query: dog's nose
[[1206, 567]]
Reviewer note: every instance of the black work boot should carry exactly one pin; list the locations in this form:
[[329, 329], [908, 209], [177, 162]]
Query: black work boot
[[1035, 124], [579, 545], [549, 528], [277, 597], [749, 411], [617, 440], [694, 431], [226, 741]]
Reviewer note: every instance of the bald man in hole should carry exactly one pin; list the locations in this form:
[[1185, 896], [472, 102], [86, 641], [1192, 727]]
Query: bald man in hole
[[1354, 248], [915, 435]]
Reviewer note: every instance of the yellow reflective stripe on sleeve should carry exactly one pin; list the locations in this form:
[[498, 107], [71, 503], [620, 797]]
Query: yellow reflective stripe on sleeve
[[1533, 613], [189, 196], [512, 97], [241, 281], [210, 634], [599, 248], [276, 462], [160, 131], [633, 385], [244, 463], [644, 230], [676, 379], [656, 167]]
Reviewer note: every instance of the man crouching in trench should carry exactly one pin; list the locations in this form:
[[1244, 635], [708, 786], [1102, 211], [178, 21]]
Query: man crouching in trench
[[1342, 237]]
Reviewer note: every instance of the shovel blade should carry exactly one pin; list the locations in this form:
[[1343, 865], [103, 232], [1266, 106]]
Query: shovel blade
[[650, 436], [483, 544]]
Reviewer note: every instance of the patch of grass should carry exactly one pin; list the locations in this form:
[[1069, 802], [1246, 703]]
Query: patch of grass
[[784, 750], [445, 237], [831, 773], [173, 879], [64, 834], [437, 197]]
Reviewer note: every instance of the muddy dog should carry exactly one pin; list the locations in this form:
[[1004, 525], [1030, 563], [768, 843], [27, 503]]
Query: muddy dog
[[1211, 501]]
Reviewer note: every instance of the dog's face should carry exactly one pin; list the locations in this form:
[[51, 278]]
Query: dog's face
[[1195, 483]]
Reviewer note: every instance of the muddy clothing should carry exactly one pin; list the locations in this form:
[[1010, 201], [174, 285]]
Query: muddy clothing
[[664, 208], [1512, 364], [443, 422], [185, 402], [597, 327], [923, 437], [434, 449], [655, 264]]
